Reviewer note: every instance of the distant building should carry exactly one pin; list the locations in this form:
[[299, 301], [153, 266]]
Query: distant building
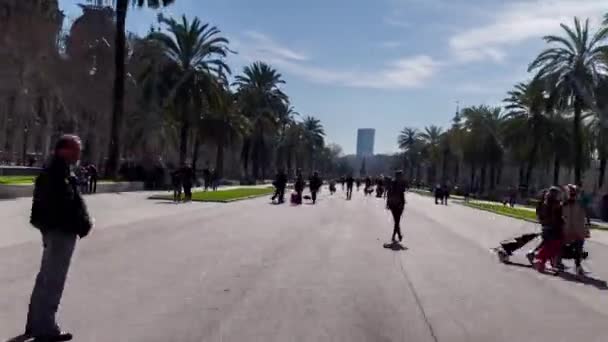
[[365, 142]]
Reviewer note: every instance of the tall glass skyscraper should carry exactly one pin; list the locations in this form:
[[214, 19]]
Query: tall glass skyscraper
[[365, 142]]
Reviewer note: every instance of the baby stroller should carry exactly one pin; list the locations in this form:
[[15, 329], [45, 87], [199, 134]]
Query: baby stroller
[[296, 198]]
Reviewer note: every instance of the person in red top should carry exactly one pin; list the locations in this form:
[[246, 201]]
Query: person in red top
[[550, 214]]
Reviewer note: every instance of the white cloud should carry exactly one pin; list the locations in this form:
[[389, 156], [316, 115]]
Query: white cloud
[[517, 22], [265, 45], [406, 72]]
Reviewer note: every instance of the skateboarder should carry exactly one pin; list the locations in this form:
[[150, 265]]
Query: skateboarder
[[395, 202], [61, 215]]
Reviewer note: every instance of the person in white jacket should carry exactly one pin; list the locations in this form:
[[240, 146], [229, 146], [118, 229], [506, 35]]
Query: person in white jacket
[[575, 229]]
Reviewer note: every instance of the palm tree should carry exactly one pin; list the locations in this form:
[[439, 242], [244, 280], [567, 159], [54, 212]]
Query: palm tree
[[526, 105], [260, 100], [406, 141], [431, 137], [314, 138], [223, 124], [195, 55], [483, 142], [119, 77], [573, 65]]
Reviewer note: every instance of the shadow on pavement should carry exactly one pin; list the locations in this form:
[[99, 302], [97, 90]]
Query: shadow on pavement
[[20, 338], [395, 246], [517, 264], [597, 283]]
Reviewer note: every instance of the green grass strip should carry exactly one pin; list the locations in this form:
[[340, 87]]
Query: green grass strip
[[224, 196], [17, 180], [518, 213]]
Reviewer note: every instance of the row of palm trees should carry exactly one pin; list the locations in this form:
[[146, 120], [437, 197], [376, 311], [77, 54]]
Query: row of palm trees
[[558, 120], [188, 76], [174, 96]]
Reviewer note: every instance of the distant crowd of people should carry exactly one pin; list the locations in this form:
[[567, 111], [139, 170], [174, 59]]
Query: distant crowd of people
[[392, 190], [184, 179], [87, 176]]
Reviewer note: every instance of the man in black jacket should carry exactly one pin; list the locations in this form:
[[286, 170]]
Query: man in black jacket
[[315, 184], [61, 215]]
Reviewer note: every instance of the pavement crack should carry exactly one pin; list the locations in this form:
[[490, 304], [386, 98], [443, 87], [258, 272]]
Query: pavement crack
[[427, 321]]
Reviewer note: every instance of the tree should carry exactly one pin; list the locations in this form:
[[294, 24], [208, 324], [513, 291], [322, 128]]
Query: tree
[[526, 105], [314, 136], [260, 100], [573, 65], [223, 124], [119, 77], [431, 137], [195, 55], [483, 141], [406, 141]]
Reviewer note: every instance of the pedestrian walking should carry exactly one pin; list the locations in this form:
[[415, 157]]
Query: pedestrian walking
[[299, 188], [315, 184], [349, 187], [445, 194], [368, 186], [93, 175], [509, 246], [438, 194], [332, 186], [206, 178], [280, 183], [575, 228], [395, 202], [176, 182], [552, 221], [358, 183], [342, 181], [61, 215], [215, 179]]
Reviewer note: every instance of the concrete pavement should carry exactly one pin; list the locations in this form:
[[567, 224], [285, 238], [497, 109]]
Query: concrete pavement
[[251, 271]]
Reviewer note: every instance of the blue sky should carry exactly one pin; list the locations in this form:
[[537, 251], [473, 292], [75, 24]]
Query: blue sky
[[383, 64]]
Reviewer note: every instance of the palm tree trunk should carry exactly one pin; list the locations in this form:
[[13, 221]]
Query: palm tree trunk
[[482, 179], [119, 89], [578, 142], [195, 152], [531, 160], [556, 167], [600, 181], [24, 146], [492, 176], [245, 157], [219, 159], [472, 185], [499, 174], [444, 167], [183, 141]]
